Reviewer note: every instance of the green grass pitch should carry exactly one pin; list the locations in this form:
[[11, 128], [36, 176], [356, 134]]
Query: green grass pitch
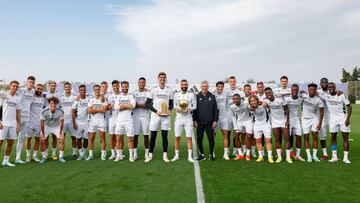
[[223, 181]]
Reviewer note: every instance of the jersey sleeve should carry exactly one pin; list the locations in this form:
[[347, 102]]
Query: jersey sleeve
[[320, 103], [345, 100], [90, 104], [132, 100], [176, 102], [42, 116], [171, 94], [62, 114], [283, 102], [151, 94], [75, 105], [193, 102]]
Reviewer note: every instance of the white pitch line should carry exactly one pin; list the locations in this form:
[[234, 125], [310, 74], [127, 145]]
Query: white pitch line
[[198, 182]]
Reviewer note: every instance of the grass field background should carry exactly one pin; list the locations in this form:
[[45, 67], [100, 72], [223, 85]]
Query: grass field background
[[223, 181]]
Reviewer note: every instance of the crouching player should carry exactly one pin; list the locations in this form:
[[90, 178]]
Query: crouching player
[[52, 122], [80, 119], [339, 119], [185, 103], [261, 127], [10, 106]]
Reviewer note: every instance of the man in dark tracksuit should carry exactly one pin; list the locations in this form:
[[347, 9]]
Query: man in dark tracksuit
[[205, 119]]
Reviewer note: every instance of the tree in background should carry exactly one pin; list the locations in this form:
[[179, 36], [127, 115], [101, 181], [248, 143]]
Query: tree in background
[[347, 76]]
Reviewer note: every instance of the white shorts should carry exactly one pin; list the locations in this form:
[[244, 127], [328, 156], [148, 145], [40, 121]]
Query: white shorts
[[156, 121], [278, 123], [295, 127], [112, 125], [141, 125], [245, 127], [125, 128], [223, 124], [230, 123], [339, 125], [25, 128], [82, 130], [52, 130], [97, 125], [309, 125], [262, 128], [69, 128], [184, 123], [34, 130], [8, 133]]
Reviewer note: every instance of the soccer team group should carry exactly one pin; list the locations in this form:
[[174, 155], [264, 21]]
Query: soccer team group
[[252, 116]]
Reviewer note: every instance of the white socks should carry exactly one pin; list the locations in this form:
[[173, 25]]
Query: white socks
[[298, 152], [240, 152], [324, 152], [288, 153], [74, 151], [278, 152]]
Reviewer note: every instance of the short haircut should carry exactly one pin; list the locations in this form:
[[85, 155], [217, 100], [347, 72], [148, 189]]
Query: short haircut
[[204, 82], [267, 88], [253, 96], [53, 99], [236, 95], [31, 78], [247, 85], [161, 74], [39, 85], [114, 82], [284, 77], [220, 83], [312, 85], [183, 80], [125, 83], [332, 83], [82, 86], [294, 85], [103, 83], [232, 77], [260, 83], [142, 78], [96, 85], [50, 82], [14, 81], [67, 83], [324, 80]]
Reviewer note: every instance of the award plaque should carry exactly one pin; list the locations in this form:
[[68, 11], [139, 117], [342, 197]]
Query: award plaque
[[164, 109]]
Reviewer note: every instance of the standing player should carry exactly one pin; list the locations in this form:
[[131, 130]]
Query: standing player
[[339, 120], [230, 93], [260, 93], [262, 127], [279, 114], [104, 93], [26, 96], [37, 105], [52, 93], [323, 93], [97, 107], [66, 103], [312, 118], [10, 124], [160, 101], [125, 104], [222, 101], [141, 117], [52, 122], [243, 124], [248, 139], [185, 103], [113, 116], [80, 122], [283, 90], [294, 103]]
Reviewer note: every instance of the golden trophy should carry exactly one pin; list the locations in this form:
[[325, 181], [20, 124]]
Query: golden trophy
[[183, 104], [164, 109]]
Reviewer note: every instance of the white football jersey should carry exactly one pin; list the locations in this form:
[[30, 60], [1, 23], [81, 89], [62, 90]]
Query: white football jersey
[[66, 103], [140, 98], [26, 99], [261, 97], [311, 107], [125, 115], [336, 106], [323, 95], [81, 108], [282, 92], [111, 101], [97, 104], [241, 112], [294, 106], [222, 101], [107, 113], [52, 119], [191, 100], [229, 94], [37, 105], [160, 95], [10, 104], [260, 115], [276, 108]]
